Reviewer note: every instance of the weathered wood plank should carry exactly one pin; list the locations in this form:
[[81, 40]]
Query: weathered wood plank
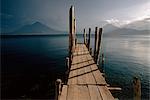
[[89, 76], [64, 92], [72, 79], [73, 92], [94, 92], [85, 79], [105, 93], [81, 70], [83, 93], [99, 78], [89, 37], [97, 74]]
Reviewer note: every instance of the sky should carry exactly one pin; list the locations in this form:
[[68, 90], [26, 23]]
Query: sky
[[55, 13]]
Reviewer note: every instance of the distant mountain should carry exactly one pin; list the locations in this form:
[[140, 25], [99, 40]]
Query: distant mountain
[[109, 28], [125, 31], [35, 28], [139, 25]]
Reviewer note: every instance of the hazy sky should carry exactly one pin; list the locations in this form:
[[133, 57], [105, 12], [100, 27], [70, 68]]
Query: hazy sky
[[89, 13]]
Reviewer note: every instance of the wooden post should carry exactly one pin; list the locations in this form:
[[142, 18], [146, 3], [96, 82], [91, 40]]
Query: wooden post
[[85, 37], [91, 51], [136, 88], [99, 45], [67, 63], [68, 69], [88, 45], [72, 30], [95, 45], [58, 88], [75, 31]]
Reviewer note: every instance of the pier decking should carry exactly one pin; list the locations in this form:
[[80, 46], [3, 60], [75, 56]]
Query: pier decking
[[85, 81]]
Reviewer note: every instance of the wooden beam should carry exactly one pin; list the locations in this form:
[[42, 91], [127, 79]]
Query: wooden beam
[[114, 88], [72, 30], [95, 44], [98, 46], [89, 37], [137, 88], [58, 88], [84, 32]]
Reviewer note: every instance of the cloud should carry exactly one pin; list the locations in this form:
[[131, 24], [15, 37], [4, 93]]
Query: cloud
[[112, 21], [142, 12], [117, 22], [147, 19]]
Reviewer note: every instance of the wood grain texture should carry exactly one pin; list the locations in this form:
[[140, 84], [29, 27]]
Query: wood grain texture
[[85, 81]]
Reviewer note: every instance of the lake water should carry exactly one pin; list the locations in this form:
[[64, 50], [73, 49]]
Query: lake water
[[31, 64]]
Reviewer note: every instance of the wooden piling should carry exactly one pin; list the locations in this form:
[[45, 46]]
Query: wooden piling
[[75, 31], [98, 46], [72, 30], [58, 87], [136, 88], [89, 37], [84, 32], [96, 43], [68, 69], [67, 63], [91, 51]]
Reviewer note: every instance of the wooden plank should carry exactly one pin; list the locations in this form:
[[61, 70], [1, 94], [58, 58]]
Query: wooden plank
[[98, 48], [89, 37], [95, 43], [97, 74], [89, 76], [72, 79], [85, 71], [74, 61], [73, 92], [94, 92], [99, 78], [81, 70], [105, 93], [63, 95], [83, 93], [85, 42]]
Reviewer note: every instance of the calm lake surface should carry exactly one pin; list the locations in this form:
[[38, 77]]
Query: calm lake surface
[[31, 64]]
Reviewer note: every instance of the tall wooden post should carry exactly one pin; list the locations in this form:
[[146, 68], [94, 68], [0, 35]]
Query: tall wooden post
[[88, 45], [72, 30], [99, 45], [136, 88], [75, 30], [96, 42], [90, 51], [84, 33], [58, 87]]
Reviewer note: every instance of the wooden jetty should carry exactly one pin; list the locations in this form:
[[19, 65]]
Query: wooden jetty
[[84, 79]]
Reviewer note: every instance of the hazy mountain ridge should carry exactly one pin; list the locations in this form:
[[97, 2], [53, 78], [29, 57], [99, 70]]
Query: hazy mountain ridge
[[109, 28], [36, 28], [139, 25], [134, 28], [125, 31]]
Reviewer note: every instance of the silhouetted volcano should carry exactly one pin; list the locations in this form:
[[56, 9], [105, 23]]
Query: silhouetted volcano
[[37, 28]]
